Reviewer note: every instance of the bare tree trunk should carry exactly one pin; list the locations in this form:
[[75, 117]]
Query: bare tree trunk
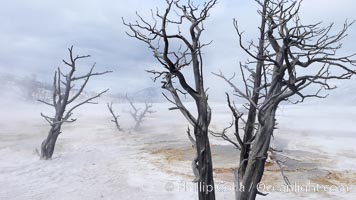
[[206, 186], [252, 112], [48, 145], [257, 158]]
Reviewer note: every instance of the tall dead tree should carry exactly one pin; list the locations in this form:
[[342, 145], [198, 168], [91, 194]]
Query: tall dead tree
[[176, 51], [290, 57], [65, 99]]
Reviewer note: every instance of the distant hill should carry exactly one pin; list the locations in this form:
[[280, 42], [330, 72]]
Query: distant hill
[[149, 94]]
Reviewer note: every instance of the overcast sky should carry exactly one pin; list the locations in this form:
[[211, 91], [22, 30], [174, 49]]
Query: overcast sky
[[34, 35]]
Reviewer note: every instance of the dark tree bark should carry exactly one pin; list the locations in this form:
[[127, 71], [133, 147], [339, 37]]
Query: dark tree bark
[[174, 52], [48, 145], [252, 111], [63, 97]]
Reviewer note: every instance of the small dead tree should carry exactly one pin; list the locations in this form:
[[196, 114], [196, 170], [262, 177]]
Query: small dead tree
[[176, 51], [65, 99], [289, 57], [137, 114], [114, 116]]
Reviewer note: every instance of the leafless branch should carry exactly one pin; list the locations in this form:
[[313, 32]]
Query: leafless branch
[[115, 117]]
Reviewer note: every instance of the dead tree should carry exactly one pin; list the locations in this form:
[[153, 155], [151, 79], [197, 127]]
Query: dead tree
[[115, 117], [65, 99], [176, 51], [289, 57], [137, 114]]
